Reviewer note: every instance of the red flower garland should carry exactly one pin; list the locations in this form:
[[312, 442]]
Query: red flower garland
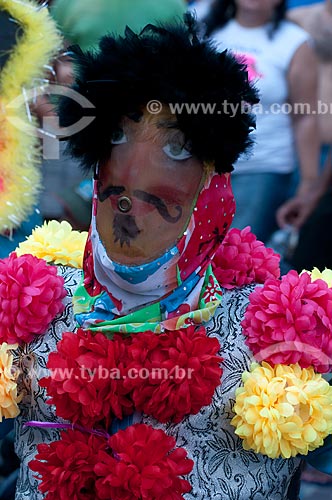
[[183, 372], [139, 463], [290, 321], [86, 382], [242, 259], [94, 379], [31, 296], [144, 466], [66, 467]]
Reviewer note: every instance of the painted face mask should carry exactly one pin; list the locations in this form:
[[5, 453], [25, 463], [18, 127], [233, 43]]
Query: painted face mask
[[159, 216], [145, 193]]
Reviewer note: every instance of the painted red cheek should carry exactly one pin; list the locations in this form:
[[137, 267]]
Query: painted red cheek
[[2, 185], [170, 196], [104, 175]]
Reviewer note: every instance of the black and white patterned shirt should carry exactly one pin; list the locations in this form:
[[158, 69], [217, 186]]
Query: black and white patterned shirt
[[223, 470]]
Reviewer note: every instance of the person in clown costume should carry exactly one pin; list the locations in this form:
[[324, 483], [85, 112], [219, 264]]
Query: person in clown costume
[[29, 41], [152, 366]]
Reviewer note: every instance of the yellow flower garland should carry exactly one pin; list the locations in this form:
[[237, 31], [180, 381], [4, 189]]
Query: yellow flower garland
[[325, 275], [56, 243], [19, 151], [8, 386], [283, 411]]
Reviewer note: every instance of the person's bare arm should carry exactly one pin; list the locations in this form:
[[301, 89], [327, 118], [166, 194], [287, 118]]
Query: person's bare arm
[[302, 80], [301, 16]]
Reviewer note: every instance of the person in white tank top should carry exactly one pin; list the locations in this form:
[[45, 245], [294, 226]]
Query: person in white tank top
[[282, 63]]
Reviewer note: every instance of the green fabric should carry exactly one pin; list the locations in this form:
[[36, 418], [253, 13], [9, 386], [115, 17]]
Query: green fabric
[[85, 21]]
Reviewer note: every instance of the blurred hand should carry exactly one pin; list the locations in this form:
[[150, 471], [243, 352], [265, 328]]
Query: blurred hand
[[296, 210]]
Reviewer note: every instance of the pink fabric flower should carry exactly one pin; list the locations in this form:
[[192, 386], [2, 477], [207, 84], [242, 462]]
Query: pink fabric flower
[[31, 295], [242, 259], [290, 321]]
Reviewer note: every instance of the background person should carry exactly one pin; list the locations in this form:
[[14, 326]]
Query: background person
[[20, 178], [315, 242], [22, 26], [283, 66], [317, 21]]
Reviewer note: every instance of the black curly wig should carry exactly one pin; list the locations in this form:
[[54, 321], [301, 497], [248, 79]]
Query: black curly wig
[[170, 64]]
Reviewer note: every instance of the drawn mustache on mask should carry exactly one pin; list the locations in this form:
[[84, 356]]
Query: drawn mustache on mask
[[112, 190], [143, 196], [124, 229], [160, 205]]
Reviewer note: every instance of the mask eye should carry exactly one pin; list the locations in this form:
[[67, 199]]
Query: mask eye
[[118, 137], [176, 151]]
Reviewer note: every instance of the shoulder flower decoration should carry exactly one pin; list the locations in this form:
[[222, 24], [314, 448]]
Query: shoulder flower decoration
[[242, 259], [283, 411], [57, 243], [31, 295], [290, 321], [8, 385]]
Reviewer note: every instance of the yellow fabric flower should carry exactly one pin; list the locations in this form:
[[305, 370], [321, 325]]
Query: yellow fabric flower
[[325, 275], [283, 411], [8, 386], [57, 243]]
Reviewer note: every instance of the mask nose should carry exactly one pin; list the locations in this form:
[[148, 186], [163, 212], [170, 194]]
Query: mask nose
[[124, 204]]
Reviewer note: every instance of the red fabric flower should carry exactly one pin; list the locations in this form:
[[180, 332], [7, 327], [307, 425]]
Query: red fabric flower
[[86, 382], [66, 467], [290, 321], [242, 259], [177, 372], [144, 466], [31, 296]]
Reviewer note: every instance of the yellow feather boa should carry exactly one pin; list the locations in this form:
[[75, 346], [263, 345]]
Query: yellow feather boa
[[20, 176]]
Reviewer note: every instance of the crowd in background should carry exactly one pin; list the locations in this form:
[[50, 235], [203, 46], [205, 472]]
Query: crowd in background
[[286, 183]]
